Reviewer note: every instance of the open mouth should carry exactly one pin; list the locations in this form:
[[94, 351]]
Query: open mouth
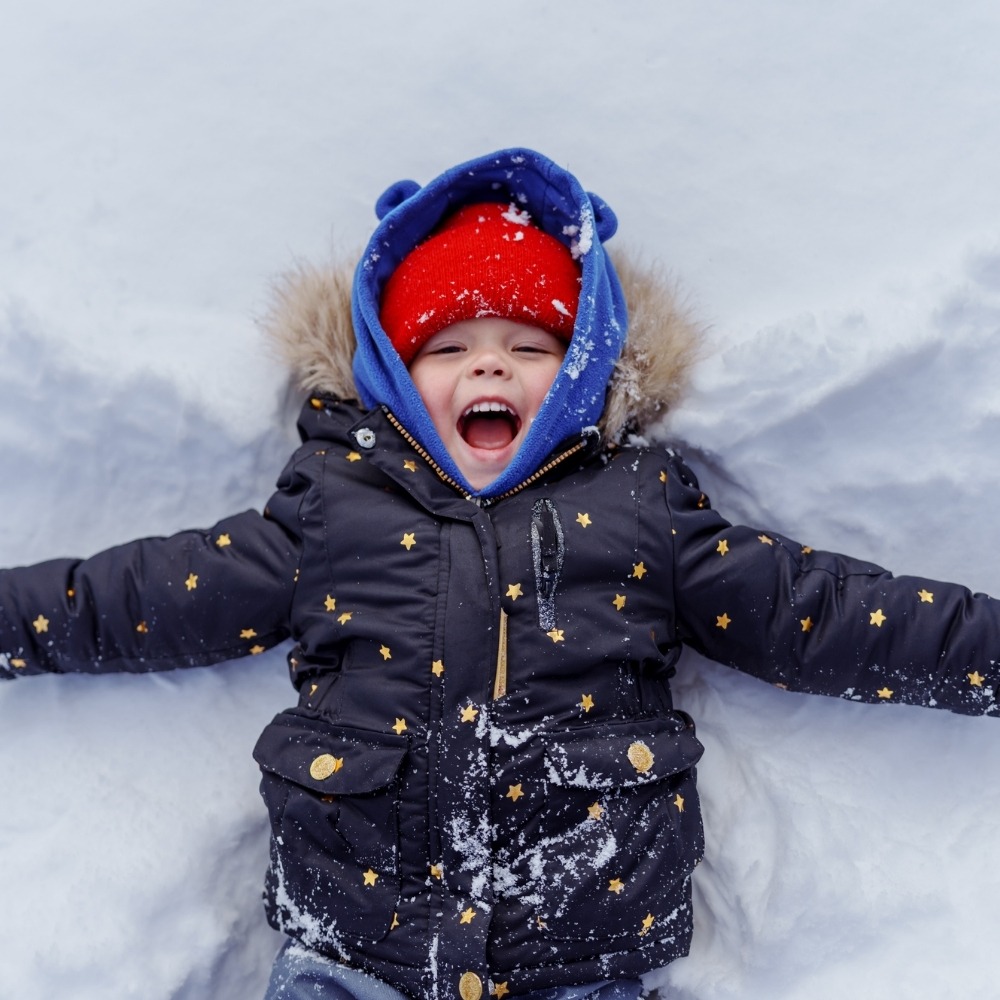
[[489, 425]]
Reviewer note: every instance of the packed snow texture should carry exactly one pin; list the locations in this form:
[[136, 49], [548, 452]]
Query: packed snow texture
[[821, 179]]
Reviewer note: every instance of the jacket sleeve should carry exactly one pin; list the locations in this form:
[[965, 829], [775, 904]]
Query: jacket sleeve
[[824, 623], [195, 598]]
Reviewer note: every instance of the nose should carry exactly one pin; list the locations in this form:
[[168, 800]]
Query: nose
[[489, 362]]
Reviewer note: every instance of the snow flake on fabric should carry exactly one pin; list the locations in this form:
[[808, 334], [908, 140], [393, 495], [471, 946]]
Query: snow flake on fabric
[[518, 216]]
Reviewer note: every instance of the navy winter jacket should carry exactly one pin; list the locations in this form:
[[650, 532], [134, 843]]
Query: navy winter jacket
[[484, 786]]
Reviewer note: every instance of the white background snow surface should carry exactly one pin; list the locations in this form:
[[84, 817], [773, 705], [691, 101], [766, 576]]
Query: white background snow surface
[[822, 180]]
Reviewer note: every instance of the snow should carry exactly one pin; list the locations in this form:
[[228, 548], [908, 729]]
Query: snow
[[821, 179]]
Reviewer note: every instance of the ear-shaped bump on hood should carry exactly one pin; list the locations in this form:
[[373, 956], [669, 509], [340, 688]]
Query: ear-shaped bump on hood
[[328, 329]]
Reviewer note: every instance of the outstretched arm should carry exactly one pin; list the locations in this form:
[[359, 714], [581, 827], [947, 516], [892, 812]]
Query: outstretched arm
[[824, 623], [194, 598]]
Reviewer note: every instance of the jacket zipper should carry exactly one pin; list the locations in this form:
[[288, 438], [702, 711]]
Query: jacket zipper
[[412, 442], [500, 676]]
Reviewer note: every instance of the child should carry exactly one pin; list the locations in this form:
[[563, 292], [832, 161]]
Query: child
[[484, 789]]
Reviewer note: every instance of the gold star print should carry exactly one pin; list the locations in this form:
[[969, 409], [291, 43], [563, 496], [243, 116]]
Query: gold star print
[[500, 990], [619, 601], [248, 633], [556, 635], [638, 570], [722, 621], [254, 650], [330, 603], [345, 617], [616, 885], [884, 693], [583, 520], [437, 871], [467, 915], [976, 678], [765, 540], [469, 713], [722, 548], [41, 624], [192, 581], [410, 465], [395, 922], [18, 664], [587, 702], [514, 591], [313, 688], [316, 404], [679, 802], [223, 540], [663, 476], [806, 623], [386, 652], [926, 597], [646, 924], [370, 877], [400, 726], [807, 550], [595, 810], [514, 792], [408, 541], [353, 456], [142, 628], [437, 668], [876, 618]]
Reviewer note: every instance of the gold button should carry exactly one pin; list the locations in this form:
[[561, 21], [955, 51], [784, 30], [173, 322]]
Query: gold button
[[325, 765], [470, 986], [640, 757]]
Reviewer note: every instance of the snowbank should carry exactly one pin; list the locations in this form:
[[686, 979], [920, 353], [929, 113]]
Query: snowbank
[[822, 181]]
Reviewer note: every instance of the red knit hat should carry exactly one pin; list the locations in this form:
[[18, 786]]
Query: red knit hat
[[487, 259]]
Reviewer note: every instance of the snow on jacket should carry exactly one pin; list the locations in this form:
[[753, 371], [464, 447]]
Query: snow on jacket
[[484, 787]]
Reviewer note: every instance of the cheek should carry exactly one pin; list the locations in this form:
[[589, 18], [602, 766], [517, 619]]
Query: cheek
[[541, 386], [441, 419], [437, 398]]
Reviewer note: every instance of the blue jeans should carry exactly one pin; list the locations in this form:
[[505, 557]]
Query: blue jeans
[[300, 974]]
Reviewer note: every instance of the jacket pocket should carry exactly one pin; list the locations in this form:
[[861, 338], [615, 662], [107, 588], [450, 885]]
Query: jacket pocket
[[332, 795], [620, 833]]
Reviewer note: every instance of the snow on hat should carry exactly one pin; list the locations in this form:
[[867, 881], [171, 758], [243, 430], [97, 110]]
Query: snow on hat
[[487, 259], [558, 205]]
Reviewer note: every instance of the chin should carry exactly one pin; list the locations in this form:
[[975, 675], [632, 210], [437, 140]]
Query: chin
[[481, 471]]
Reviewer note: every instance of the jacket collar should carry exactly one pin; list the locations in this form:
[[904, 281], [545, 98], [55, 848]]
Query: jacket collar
[[379, 438]]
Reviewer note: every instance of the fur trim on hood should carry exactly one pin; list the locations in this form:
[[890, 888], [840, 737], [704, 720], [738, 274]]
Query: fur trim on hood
[[309, 323]]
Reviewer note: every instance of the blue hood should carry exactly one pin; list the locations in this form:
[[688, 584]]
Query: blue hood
[[558, 204]]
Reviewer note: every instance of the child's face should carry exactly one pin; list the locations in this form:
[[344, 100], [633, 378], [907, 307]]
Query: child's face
[[483, 382]]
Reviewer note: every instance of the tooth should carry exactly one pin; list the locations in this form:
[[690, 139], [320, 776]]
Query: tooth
[[488, 407]]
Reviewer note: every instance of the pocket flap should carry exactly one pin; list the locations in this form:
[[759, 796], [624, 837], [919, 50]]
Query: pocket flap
[[619, 756], [330, 759]]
